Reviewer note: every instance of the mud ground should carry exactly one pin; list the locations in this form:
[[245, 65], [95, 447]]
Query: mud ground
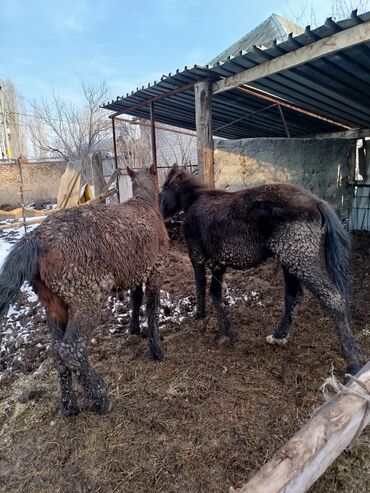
[[206, 418]]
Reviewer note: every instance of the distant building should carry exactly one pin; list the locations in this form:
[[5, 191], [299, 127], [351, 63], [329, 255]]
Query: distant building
[[273, 28]]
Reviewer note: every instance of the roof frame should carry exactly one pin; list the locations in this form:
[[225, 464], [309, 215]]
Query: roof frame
[[335, 42]]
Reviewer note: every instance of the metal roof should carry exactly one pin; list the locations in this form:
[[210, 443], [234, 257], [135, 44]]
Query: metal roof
[[335, 86]]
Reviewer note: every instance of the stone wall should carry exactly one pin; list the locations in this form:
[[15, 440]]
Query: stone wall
[[318, 165], [41, 182]]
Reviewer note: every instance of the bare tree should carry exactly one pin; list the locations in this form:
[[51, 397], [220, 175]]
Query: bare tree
[[176, 147], [340, 9], [133, 144], [304, 14], [58, 128]]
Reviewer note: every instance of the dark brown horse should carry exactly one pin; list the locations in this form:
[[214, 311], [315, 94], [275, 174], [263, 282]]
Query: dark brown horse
[[74, 260], [242, 229]]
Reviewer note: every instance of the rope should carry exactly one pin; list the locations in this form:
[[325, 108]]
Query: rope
[[339, 388]]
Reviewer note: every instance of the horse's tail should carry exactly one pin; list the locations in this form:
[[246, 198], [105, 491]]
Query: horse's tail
[[20, 265], [337, 249]]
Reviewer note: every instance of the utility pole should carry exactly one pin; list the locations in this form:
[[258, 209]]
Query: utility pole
[[5, 150]]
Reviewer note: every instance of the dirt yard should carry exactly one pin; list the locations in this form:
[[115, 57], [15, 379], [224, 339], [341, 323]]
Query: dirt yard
[[206, 418]]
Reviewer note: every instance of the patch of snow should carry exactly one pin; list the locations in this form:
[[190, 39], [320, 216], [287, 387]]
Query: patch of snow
[[232, 299]]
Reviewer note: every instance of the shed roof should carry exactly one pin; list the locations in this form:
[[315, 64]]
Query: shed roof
[[335, 86]]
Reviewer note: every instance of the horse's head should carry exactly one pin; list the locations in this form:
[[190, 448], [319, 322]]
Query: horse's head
[[145, 184], [177, 187]]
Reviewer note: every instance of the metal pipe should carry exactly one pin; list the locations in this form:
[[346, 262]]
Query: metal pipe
[[284, 121], [268, 97], [244, 117], [158, 127], [153, 137]]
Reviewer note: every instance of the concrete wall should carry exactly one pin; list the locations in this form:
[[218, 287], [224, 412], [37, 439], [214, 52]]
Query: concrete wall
[[41, 182], [318, 165]]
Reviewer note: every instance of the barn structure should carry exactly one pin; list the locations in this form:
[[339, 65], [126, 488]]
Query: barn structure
[[295, 108]]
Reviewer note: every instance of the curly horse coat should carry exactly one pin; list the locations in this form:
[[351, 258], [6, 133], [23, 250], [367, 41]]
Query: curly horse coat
[[242, 229], [74, 260]]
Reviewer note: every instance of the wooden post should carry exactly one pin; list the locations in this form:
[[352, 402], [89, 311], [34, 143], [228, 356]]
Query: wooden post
[[301, 461], [20, 161], [203, 118]]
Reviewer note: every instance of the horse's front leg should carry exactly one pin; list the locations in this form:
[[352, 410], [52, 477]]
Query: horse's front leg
[[216, 294], [136, 296], [152, 294], [200, 283]]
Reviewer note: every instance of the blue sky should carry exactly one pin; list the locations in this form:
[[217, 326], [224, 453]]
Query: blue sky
[[55, 45]]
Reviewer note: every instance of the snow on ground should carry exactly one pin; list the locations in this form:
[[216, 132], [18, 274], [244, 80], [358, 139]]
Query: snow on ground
[[24, 336]]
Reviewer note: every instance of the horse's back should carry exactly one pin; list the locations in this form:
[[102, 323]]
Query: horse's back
[[121, 242]]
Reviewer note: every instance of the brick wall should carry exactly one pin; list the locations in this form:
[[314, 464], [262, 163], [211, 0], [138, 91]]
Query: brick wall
[[41, 182]]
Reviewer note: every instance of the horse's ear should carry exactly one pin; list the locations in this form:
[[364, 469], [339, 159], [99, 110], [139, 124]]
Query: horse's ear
[[186, 166], [130, 172], [153, 169], [175, 166]]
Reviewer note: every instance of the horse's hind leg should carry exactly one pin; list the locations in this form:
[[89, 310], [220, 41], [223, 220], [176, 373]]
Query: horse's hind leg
[[216, 294], [297, 246], [136, 296], [293, 295], [152, 294], [68, 405], [73, 352], [317, 282]]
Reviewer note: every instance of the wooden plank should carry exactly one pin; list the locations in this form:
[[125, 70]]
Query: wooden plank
[[301, 461], [203, 117], [17, 213], [69, 188], [98, 200], [19, 224], [331, 44]]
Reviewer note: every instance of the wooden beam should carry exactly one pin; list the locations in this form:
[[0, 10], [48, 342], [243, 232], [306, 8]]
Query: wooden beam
[[203, 118], [331, 44], [301, 461]]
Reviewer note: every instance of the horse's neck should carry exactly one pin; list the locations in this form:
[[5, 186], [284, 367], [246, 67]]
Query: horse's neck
[[189, 195], [149, 196]]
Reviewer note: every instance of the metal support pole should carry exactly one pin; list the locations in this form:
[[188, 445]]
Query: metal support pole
[[284, 121], [153, 137], [115, 156]]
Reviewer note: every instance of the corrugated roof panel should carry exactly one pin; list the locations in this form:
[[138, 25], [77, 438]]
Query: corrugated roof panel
[[335, 86]]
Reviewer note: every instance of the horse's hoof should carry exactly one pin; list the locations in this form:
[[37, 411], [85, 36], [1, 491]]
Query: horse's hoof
[[69, 411], [224, 341], [156, 351], [135, 330], [101, 405], [200, 315], [279, 342], [353, 368], [157, 355]]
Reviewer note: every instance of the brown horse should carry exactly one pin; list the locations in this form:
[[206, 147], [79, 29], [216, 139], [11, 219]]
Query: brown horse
[[242, 229], [74, 260]]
